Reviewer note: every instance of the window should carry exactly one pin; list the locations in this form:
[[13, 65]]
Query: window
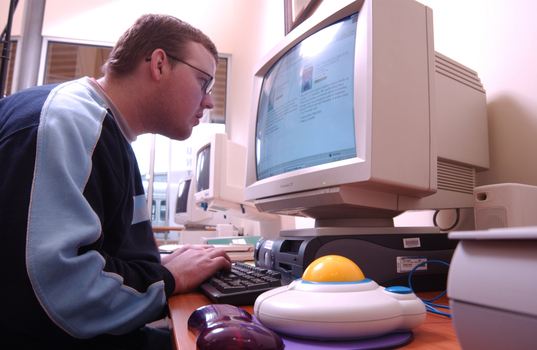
[[9, 79], [67, 61], [163, 210], [218, 113]]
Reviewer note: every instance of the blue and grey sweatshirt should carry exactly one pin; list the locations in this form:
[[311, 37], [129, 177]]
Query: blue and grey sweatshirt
[[77, 252]]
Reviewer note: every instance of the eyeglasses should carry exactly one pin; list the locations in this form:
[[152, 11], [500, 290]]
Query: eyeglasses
[[208, 87]]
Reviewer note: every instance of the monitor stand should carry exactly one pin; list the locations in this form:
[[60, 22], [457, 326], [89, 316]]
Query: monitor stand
[[344, 227]]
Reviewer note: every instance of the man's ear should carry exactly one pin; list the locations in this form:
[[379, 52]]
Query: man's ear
[[157, 65]]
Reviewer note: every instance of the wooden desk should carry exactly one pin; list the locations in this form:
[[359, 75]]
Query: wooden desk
[[435, 333]]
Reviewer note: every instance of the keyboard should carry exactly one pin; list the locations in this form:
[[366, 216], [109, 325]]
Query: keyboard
[[243, 285]]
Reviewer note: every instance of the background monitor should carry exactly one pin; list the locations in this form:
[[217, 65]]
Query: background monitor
[[220, 174], [355, 119], [186, 212], [220, 171], [182, 196]]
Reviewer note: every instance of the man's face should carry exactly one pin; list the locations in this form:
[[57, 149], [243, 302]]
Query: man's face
[[182, 96]]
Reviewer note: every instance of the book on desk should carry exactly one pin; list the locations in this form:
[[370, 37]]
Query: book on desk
[[236, 251]]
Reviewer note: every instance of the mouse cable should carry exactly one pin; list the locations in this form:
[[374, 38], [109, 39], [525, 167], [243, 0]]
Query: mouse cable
[[431, 307]]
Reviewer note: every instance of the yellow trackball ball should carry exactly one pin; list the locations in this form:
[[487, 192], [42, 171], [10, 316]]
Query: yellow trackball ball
[[333, 268]]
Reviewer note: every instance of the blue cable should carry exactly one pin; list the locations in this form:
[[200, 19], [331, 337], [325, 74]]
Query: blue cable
[[428, 305]]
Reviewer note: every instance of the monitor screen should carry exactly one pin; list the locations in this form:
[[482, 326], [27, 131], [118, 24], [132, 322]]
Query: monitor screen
[[306, 108], [203, 170], [182, 196]]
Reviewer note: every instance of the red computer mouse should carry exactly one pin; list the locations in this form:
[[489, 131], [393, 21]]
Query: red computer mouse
[[222, 326]]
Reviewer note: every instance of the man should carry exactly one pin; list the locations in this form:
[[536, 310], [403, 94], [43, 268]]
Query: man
[[80, 265]]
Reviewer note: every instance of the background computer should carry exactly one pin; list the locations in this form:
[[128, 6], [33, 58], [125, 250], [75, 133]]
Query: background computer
[[186, 212], [219, 186]]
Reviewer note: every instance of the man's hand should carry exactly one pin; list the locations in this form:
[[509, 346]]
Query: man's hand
[[193, 264]]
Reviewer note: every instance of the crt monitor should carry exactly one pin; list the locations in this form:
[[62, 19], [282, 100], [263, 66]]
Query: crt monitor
[[355, 119], [183, 190], [186, 212], [219, 177]]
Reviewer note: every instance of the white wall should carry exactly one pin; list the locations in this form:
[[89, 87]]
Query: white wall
[[17, 18], [496, 38]]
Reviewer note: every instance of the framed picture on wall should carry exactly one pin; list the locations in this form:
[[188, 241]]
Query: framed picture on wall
[[296, 11]]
